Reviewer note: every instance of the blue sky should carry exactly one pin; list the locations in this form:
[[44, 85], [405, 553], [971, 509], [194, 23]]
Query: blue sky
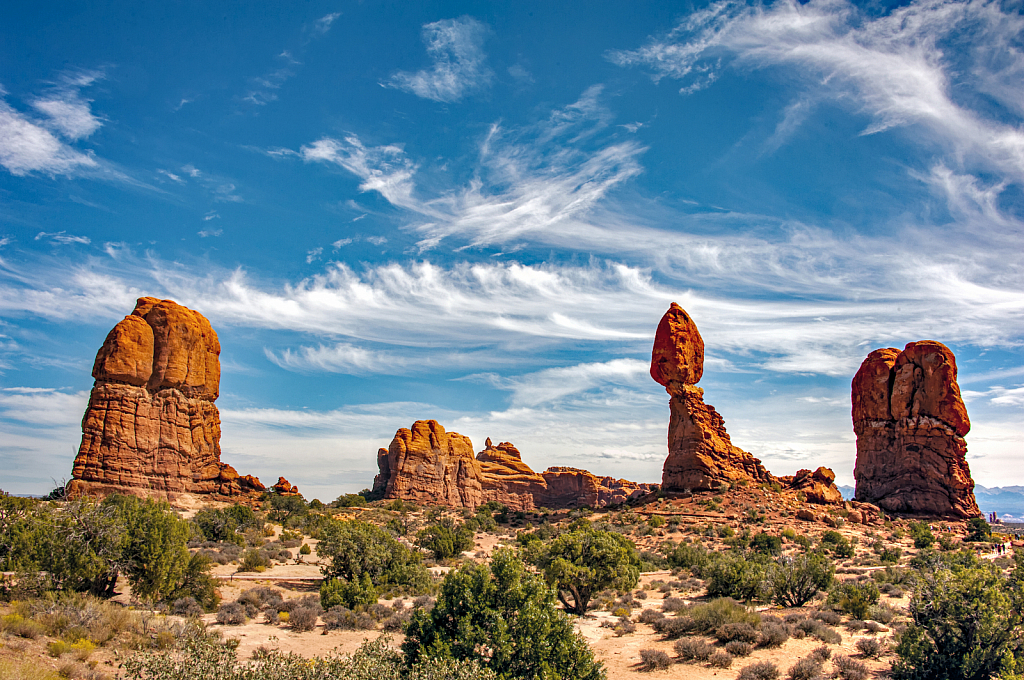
[[478, 212]]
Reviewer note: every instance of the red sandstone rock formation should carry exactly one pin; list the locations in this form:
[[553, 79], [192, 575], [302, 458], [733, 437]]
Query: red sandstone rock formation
[[285, 488], [151, 428], [818, 486], [428, 465], [701, 455], [910, 422]]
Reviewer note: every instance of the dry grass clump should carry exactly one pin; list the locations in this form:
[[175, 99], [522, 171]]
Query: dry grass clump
[[720, 659], [739, 648], [692, 649], [762, 670], [871, 647]]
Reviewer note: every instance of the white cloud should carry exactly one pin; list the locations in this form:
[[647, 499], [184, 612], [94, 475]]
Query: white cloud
[[555, 384], [339, 358], [455, 47], [323, 24], [211, 215], [207, 233], [314, 255], [384, 169], [897, 68], [66, 110], [42, 406], [341, 242], [376, 240], [62, 238], [27, 147]]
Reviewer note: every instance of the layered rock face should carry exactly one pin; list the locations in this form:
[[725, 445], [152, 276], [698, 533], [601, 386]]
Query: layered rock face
[[701, 455], [910, 422], [151, 427], [427, 465]]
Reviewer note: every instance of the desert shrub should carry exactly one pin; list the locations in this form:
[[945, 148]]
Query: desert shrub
[[585, 561], [673, 604], [922, 535], [673, 626], [890, 555], [690, 556], [797, 580], [978, 530], [253, 560], [339, 617], [623, 627], [423, 602], [484, 612], [819, 630], [621, 611], [822, 654], [656, 521], [260, 597], [272, 616], [654, 659], [720, 659], [766, 544], [710, 615], [186, 606], [870, 647], [762, 670], [305, 549], [772, 635], [303, 619], [693, 649], [736, 631], [849, 669], [351, 594], [397, 621], [737, 576], [854, 598], [827, 617], [739, 648], [231, 614], [225, 524], [649, 616], [874, 627], [445, 538], [808, 668], [355, 548], [882, 613], [838, 544], [854, 625]]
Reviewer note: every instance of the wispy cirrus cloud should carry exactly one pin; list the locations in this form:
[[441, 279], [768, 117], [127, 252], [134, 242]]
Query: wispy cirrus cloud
[[264, 88], [455, 47], [67, 111], [62, 238], [26, 146]]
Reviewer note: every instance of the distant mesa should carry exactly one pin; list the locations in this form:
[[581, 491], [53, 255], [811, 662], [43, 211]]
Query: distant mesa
[[910, 422], [426, 464], [151, 427], [701, 456]]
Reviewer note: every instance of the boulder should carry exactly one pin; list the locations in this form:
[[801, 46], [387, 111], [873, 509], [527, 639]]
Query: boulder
[[151, 427], [701, 455], [818, 486], [806, 515], [285, 488], [910, 422]]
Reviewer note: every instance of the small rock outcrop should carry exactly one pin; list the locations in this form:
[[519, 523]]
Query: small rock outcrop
[[818, 486], [910, 422], [285, 488], [701, 455], [151, 427], [426, 464]]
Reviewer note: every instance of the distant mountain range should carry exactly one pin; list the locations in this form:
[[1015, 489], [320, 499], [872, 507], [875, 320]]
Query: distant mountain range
[[1005, 501]]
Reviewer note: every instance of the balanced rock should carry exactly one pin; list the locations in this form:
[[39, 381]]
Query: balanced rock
[[701, 455], [151, 427], [910, 422], [285, 488], [427, 465]]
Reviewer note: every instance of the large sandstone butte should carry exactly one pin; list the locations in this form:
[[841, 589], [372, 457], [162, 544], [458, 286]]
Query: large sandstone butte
[[910, 423], [425, 464], [701, 456], [151, 428]]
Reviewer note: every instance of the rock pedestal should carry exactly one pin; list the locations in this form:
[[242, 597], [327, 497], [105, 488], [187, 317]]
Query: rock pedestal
[[701, 455], [151, 427], [910, 422]]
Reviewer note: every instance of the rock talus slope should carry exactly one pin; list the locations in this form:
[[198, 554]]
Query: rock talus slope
[[701, 456], [910, 422], [151, 427]]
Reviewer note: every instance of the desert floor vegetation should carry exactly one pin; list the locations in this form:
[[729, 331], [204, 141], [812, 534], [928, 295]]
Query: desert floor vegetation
[[720, 585]]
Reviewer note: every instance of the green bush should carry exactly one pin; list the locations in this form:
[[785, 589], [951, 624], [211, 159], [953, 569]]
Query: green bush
[[922, 535], [854, 598], [710, 616], [355, 548], [585, 561], [351, 594], [966, 622], [226, 524], [796, 580], [741, 577], [766, 544], [505, 617], [978, 530], [349, 500], [253, 560], [445, 538]]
